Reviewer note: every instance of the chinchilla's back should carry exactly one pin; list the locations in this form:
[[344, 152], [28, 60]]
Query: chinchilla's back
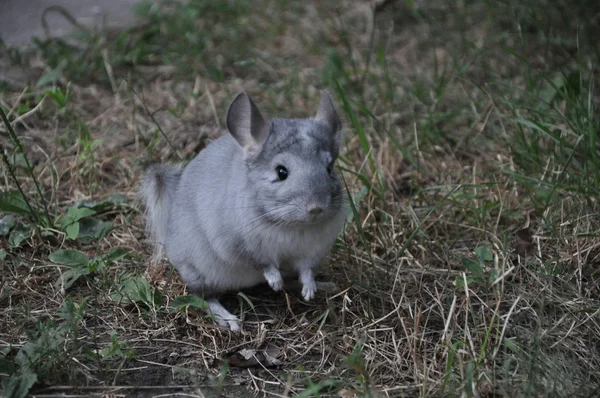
[[208, 197]]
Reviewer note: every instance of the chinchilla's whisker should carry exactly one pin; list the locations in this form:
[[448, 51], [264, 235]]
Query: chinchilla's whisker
[[230, 208], [262, 227], [257, 229], [271, 213], [251, 198], [253, 220]]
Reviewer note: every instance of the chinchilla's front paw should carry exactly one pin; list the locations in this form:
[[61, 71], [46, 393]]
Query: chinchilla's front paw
[[309, 286], [308, 290], [273, 277]]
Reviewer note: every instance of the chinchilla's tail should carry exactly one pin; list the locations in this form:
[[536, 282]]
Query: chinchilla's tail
[[158, 184]]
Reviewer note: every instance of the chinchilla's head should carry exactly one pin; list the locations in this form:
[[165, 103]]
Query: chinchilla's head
[[290, 161]]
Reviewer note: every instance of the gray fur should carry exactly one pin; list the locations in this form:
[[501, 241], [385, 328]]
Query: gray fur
[[232, 223], [158, 185]]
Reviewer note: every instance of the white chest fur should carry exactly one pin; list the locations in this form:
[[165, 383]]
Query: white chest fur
[[288, 247]]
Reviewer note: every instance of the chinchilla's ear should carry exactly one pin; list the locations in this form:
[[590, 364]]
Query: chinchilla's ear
[[328, 115], [246, 124]]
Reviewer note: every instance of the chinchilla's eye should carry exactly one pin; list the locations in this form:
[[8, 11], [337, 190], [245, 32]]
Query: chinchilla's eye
[[282, 173], [330, 168]]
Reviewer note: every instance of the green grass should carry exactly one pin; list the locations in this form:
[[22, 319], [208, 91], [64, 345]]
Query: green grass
[[469, 266]]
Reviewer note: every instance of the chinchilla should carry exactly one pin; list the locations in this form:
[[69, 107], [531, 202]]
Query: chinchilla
[[258, 202]]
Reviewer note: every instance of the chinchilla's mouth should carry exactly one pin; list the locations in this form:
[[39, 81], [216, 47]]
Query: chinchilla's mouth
[[317, 219], [297, 218], [299, 222]]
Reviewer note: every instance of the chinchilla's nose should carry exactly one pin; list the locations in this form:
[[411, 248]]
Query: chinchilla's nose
[[319, 200], [315, 210]]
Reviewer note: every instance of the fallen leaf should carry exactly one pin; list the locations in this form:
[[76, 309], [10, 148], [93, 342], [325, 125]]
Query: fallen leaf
[[248, 358]]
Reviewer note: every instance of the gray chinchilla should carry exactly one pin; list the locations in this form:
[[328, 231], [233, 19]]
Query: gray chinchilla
[[258, 202]]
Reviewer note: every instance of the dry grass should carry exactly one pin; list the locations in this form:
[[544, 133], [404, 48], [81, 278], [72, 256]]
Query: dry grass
[[437, 170]]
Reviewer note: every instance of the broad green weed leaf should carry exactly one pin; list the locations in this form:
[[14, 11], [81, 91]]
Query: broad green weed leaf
[[493, 276], [459, 281], [136, 290], [18, 160], [106, 204], [18, 385], [70, 276], [484, 253], [182, 302], [14, 202], [75, 214], [49, 77], [93, 228], [116, 254], [473, 267], [72, 231], [6, 224], [19, 234], [115, 199], [68, 257]]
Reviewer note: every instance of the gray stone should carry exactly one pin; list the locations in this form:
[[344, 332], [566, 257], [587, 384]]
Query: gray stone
[[21, 20]]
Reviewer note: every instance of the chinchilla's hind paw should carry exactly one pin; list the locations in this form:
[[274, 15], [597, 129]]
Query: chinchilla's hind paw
[[223, 317]]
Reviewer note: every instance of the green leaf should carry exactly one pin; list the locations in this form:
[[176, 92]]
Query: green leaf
[[14, 202], [93, 228], [450, 363], [116, 349], [18, 385], [18, 160], [313, 390], [543, 195], [51, 76], [70, 276], [357, 198], [182, 302], [6, 224], [246, 299], [484, 254], [493, 276], [72, 231], [539, 127], [75, 214], [57, 95], [115, 254], [473, 267], [118, 253], [68, 257], [2, 254], [19, 234], [469, 379], [511, 345], [136, 290], [552, 89], [459, 281], [105, 204]]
